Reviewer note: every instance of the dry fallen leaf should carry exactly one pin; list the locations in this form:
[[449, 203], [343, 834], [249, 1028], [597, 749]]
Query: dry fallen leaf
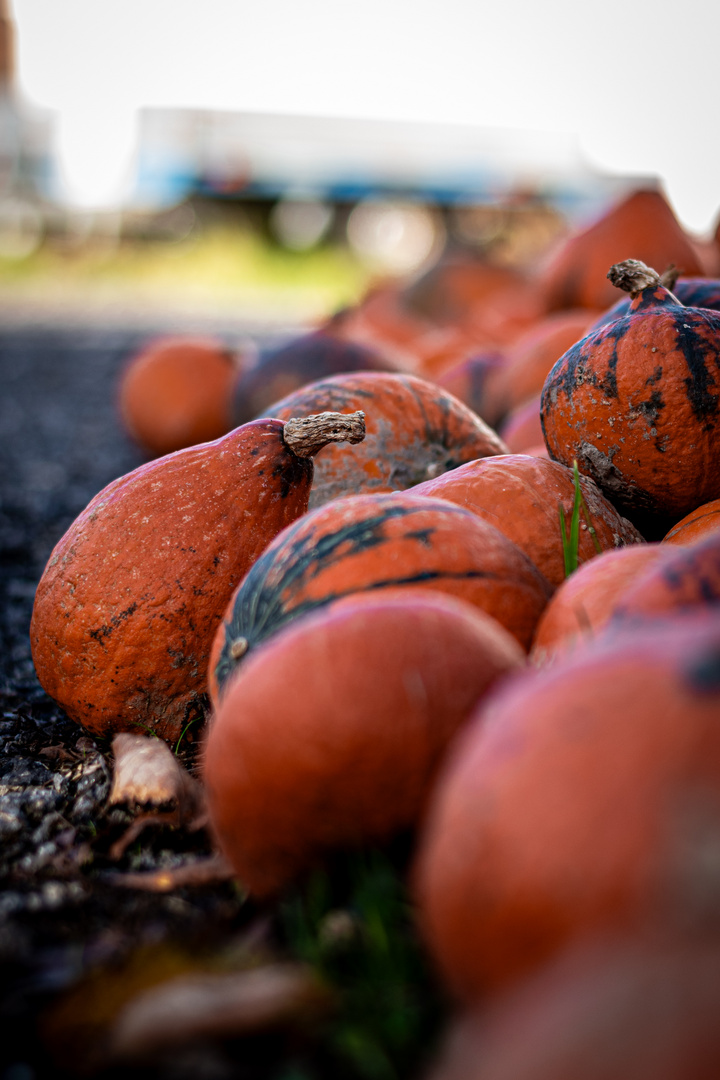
[[147, 773], [195, 1007]]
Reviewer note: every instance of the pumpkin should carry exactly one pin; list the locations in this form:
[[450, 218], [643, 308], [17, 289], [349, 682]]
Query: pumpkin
[[521, 429], [132, 594], [642, 223], [692, 292], [586, 600], [531, 357], [494, 302], [177, 392], [521, 495], [685, 581], [636, 1009], [372, 542], [280, 371], [414, 430], [695, 526], [568, 804], [340, 749], [414, 343], [471, 381], [637, 403]]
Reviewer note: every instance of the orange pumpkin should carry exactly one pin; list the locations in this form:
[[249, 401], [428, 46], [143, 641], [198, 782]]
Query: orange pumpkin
[[414, 430], [642, 224], [341, 750], [636, 1009], [586, 600], [637, 403], [132, 594], [471, 381], [369, 543], [695, 526], [685, 582], [177, 392], [565, 806], [532, 356], [521, 429], [521, 495]]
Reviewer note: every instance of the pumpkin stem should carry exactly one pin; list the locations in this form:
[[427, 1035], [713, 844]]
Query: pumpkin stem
[[306, 436], [632, 276]]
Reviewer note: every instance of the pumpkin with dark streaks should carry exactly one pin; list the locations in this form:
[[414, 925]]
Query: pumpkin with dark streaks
[[637, 403], [369, 543], [415, 430], [685, 582], [692, 292]]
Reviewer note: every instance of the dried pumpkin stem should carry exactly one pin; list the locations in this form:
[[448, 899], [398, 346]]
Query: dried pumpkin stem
[[306, 436], [632, 276]]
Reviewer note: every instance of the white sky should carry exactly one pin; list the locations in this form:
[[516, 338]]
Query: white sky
[[636, 82]]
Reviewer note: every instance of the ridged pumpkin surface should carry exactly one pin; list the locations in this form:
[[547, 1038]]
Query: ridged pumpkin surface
[[638, 404], [561, 810], [520, 495], [331, 734], [131, 597], [586, 600], [414, 430], [695, 526], [371, 542], [177, 392]]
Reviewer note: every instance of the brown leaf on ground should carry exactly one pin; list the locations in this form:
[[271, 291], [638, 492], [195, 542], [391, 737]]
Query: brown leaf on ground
[[197, 1007], [147, 773], [208, 871]]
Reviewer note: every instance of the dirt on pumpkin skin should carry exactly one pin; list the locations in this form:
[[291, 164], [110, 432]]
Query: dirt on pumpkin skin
[[104, 906]]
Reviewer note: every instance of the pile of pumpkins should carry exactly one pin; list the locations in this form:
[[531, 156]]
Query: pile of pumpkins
[[403, 621]]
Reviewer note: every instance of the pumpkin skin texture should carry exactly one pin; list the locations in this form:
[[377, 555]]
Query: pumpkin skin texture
[[642, 224], [176, 392], [696, 526], [284, 370], [586, 600], [609, 1009], [414, 430], [132, 595], [519, 494], [342, 748], [637, 403], [685, 582], [370, 543], [563, 806]]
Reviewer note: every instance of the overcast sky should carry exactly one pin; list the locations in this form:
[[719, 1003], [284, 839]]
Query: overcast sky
[[637, 83]]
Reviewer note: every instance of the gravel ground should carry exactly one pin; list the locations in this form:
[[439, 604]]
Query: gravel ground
[[61, 916]]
